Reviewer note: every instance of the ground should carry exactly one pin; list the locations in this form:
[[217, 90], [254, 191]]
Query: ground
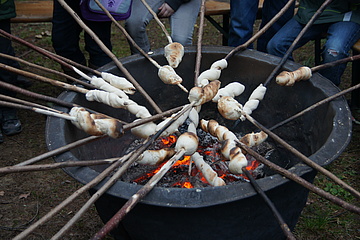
[[25, 197]]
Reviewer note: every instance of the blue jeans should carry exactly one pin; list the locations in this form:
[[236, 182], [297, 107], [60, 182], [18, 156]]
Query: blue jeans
[[181, 22], [341, 36], [66, 35], [243, 16]]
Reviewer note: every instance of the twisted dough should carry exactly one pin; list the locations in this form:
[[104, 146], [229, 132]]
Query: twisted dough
[[229, 149], [201, 95], [286, 78]]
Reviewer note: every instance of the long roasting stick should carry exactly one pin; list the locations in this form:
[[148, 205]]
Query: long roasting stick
[[48, 70], [292, 46], [301, 181], [27, 103], [276, 213], [326, 100], [111, 55], [51, 166], [158, 21], [130, 204], [38, 110], [118, 174], [261, 31], [199, 43], [286, 78], [71, 198], [304, 158]]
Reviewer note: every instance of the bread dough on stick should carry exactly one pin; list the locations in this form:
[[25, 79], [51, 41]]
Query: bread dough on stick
[[201, 95], [229, 149], [229, 108], [209, 173], [233, 89], [155, 157], [96, 124], [119, 82], [187, 141], [288, 79], [173, 53]]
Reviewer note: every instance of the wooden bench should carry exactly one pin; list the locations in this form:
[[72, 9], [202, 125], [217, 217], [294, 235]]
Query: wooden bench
[[33, 11]]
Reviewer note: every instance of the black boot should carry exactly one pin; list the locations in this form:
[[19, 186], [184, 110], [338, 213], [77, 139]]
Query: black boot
[[10, 124]]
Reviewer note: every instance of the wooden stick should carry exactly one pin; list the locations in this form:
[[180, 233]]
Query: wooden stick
[[110, 54], [44, 79], [93, 138], [301, 181], [51, 166], [60, 150], [39, 110], [119, 173], [303, 158], [36, 48], [315, 105], [285, 228], [130, 204], [158, 21], [27, 103], [199, 44], [48, 70], [335, 63], [292, 46], [261, 31], [71, 198], [36, 95]]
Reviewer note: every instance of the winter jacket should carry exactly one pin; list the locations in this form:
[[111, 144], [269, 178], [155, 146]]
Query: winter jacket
[[337, 11], [175, 4], [7, 9]]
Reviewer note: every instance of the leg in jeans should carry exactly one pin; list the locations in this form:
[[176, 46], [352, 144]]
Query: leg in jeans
[[284, 38], [341, 37], [269, 10], [242, 18], [136, 24], [182, 22]]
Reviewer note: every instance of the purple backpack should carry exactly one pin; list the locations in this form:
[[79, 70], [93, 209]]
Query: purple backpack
[[119, 9]]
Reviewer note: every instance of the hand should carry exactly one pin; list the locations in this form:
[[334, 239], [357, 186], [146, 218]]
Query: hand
[[165, 11]]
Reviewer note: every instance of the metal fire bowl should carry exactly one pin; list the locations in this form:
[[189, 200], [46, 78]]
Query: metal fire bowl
[[321, 134]]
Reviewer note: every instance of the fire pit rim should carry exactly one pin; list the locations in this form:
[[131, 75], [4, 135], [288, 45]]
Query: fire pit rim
[[170, 195]]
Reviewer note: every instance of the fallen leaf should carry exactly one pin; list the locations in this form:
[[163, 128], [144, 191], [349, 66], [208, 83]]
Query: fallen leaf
[[2, 193], [24, 196]]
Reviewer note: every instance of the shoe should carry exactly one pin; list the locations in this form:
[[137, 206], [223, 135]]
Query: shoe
[[11, 125]]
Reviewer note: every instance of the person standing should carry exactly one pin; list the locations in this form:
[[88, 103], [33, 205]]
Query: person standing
[[66, 36], [340, 21], [182, 14], [10, 123], [243, 15]]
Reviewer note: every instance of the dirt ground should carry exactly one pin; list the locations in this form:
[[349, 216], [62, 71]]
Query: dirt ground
[[25, 197]]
